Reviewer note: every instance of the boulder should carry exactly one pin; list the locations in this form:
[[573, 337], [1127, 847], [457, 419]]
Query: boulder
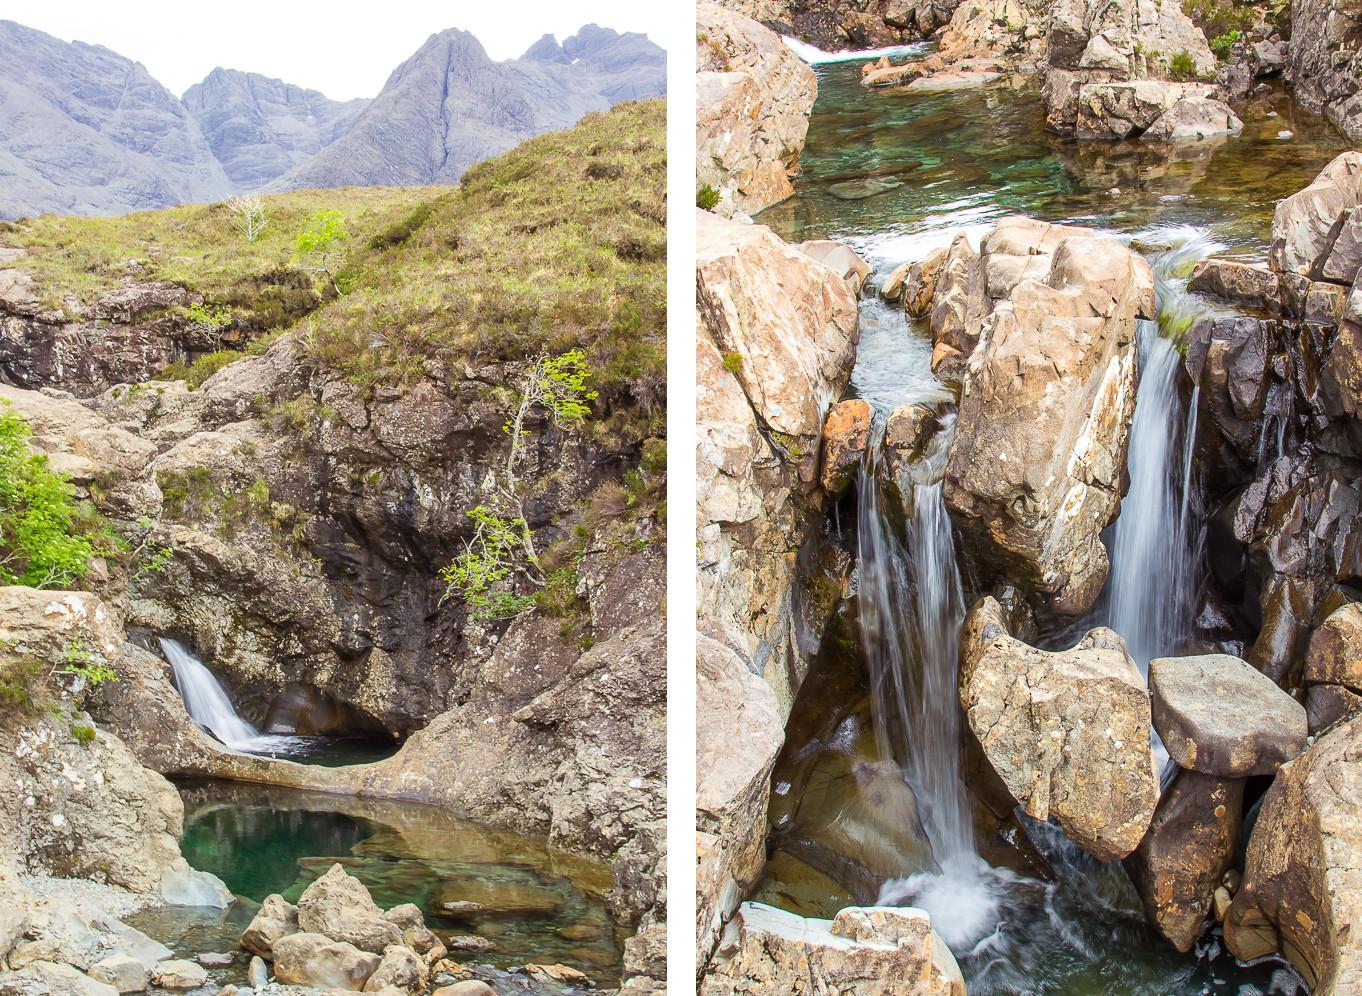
[[1035, 472], [179, 975], [1240, 283], [1221, 716], [182, 885], [401, 969], [276, 918], [1334, 656], [1067, 732], [338, 906], [46, 978], [1302, 889], [892, 288], [124, 972], [776, 953], [1109, 111], [753, 97], [315, 960], [841, 258], [1306, 225], [845, 434], [919, 284], [1192, 118], [469, 987], [1190, 845], [1326, 705]]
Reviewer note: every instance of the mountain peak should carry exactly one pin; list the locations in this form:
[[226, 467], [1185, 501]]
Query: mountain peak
[[546, 50]]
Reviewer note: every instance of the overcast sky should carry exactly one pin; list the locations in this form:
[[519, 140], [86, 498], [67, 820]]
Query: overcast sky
[[323, 46]]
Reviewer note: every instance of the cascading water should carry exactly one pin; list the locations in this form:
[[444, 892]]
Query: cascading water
[[204, 698]]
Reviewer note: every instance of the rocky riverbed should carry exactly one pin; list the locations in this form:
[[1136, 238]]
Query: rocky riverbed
[[1055, 664]]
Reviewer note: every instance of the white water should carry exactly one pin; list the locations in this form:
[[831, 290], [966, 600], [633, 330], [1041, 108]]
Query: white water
[[212, 711], [815, 56]]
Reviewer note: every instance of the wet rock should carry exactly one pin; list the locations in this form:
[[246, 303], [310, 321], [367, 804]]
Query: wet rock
[[257, 974], [1035, 472], [215, 959], [840, 258], [775, 953], [1218, 715], [401, 969], [1326, 705], [753, 97], [179, 975], [1306, 225], [340, 907], [1193, 118], [1301, 894], [919, 285], [845, 434], [308, 959], [124, 972], [1240, 283], [477, 898], [892, 288], [1334, 656], [1188, 848], [276, 918], [469, 987], [1067, 732]]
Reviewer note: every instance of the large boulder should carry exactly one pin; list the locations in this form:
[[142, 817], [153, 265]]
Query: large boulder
[[1312, 230], [1191, 843], [1036, 470], [857, 953], [340, 907], [276, 918], [753, 97], [316, 960], [1067, 732], [1221, 716], [1302, 888]]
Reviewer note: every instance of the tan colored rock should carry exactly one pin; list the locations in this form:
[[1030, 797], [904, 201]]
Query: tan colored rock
[[1240, 283], [1067, 732], [1190, 844], [1035, 472], [1302, 889], [308, 959], [845, 434], [179, 975], [892, 288], [276, 918], [919, 285], [855, 954], [1219, 715], [469, 987], [1305, 225], [753, 97], [839, 257], [740, 730], [46, 978], [124, 972], [340, 907], [1193, 118], [401, 969]]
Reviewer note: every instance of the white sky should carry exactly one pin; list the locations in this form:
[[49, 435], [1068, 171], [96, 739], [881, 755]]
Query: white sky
[[341, 49]]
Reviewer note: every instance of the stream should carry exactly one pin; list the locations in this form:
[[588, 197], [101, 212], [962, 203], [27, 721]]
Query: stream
[[897, 174]]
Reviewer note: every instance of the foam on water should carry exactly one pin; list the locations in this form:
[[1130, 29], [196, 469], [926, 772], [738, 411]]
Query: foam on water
[[815, 56]]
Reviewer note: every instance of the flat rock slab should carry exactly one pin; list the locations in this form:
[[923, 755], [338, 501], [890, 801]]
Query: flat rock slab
[[1221, 716]]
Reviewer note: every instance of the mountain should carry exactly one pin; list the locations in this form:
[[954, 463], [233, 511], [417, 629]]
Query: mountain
[[259, 127], [450, 105], [85, 131]]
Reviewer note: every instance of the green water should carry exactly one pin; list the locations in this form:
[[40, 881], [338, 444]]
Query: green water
[[931, 165], [537, 904]]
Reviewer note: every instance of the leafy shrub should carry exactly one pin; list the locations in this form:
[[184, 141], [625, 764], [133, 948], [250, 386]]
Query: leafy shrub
[[194, 374], [46, 537], [86, 666], [707, 198], [1182, 65], [320, 246], [1222, 44], [733, 363]]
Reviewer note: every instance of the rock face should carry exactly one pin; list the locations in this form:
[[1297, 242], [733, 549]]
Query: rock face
[[1047, 397], [1312, 230], [1333, 667], [1323, 63], [776, 339], [450, 106], [86, 131], [1190, 844], [854, 954], [1301, 891], [259, 128], [1218, 715], [753, 97], [1067, 732], [835, 25]]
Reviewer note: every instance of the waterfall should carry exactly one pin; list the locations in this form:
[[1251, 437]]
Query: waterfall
[[205, 701]]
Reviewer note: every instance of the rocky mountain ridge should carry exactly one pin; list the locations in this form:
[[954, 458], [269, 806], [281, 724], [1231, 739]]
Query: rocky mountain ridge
[[84, 130]]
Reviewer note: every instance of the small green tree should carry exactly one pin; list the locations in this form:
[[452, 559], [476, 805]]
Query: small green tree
[[43, 540], [209, 323], [555, 386], [320, 246]]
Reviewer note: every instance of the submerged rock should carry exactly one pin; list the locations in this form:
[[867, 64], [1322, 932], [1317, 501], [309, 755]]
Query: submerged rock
[[1035, 473], [1190, 845], [1302, 889], [1219, 715], [857, 953], [1067, 732]]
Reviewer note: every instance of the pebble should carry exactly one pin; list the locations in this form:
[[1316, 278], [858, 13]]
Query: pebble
[[215, 959]]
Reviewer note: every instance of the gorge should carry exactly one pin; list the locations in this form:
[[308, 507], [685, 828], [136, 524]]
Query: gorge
[[1057, 455]]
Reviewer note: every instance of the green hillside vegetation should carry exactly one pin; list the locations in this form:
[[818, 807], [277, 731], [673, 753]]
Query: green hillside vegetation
[[559, 244]]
